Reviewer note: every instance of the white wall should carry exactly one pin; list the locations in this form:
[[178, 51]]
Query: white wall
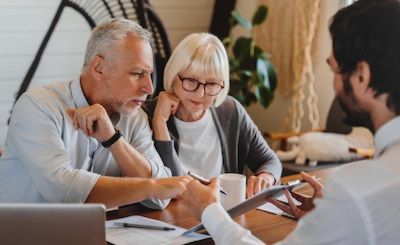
[[24, 23], [182, 17]]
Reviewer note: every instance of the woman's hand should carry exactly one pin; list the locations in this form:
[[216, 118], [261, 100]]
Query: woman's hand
[[259, 182], [167, 105]]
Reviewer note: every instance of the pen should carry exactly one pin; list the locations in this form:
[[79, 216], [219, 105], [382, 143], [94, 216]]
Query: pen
[[204, 181], [153, 227]]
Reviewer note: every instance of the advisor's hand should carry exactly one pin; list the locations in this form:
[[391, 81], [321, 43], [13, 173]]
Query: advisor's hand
[[307, 203], [198, 196], [165, 188]]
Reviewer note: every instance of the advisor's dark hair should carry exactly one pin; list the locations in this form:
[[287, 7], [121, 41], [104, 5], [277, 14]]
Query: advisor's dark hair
[[369, 30]]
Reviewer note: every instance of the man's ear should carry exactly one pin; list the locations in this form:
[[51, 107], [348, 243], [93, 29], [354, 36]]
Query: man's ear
[[362, 76], [98, 66]]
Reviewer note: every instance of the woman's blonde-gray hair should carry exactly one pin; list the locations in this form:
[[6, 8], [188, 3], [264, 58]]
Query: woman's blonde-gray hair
[[199, 53], [105, 37]]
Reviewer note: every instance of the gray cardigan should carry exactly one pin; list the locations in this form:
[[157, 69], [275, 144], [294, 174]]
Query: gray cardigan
[[241, 141]]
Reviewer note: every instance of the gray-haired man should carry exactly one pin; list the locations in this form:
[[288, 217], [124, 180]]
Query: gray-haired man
[[87, 140]]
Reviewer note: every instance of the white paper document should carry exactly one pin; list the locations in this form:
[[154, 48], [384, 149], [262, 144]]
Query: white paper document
[[271, 208], [126, 235]]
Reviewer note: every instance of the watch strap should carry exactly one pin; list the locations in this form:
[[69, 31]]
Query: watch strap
[[113, 138]]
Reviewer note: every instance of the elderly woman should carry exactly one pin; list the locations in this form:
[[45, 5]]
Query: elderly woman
[[198, 128]]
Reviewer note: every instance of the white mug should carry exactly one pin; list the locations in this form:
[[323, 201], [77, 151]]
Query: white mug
[[235, 186]]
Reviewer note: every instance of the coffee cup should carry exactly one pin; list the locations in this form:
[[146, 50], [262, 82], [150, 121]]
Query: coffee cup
[[235, 186]]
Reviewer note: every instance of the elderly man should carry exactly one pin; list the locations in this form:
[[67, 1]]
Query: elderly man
[[88, 140], [360, 203]]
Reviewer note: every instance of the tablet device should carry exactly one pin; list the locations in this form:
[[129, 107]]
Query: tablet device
[[254, 202]]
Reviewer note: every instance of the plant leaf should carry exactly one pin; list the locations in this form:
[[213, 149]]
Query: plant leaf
[[232, 21], [258, 52], [273, 78], [236, 87], [267, 73], [258, 79], [241, 48], [227, 42], [264, 96], [260, 15], [246, 74], [237, 18], [252, 46], [262, 72], [240, 98], [249, 97], [252, 76], [234, 64]]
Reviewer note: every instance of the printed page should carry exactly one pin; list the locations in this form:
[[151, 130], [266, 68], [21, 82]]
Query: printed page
[[118, 235], [271, 208]]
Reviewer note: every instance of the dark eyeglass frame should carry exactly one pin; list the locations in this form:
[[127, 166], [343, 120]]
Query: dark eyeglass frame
[[183, 79]]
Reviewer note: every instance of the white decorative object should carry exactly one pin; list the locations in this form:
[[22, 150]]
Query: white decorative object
[[320, 146]]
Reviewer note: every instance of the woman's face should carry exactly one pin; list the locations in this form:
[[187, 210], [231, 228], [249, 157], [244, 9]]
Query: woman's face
[[194, 104]]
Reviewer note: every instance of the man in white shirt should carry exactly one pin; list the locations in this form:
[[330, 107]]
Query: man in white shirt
[[88, 140], [360, 203]]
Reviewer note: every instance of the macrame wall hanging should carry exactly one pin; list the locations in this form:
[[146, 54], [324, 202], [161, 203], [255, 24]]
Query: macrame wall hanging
[[305, 23], [289, 36]]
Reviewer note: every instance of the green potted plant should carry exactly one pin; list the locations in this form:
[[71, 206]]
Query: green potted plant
[[252, 76]]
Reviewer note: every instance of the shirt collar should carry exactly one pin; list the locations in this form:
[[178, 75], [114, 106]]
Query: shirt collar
[[387, 135], [77, 94]]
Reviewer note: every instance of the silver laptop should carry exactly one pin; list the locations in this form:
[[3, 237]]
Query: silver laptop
[[52, 224]]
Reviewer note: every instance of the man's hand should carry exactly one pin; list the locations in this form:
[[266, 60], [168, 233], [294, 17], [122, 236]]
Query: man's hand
[[165, 188], [307, 203], [257, 183], [198, 196], [93, 121], [167, 105]]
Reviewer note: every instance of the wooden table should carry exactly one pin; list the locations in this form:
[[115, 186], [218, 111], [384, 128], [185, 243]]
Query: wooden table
[[268, 227]]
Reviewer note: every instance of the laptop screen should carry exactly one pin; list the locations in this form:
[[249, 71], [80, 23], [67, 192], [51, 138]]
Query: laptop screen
[[52, 224]]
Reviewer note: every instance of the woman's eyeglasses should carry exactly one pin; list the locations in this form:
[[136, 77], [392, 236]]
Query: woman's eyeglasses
[[191, 85]]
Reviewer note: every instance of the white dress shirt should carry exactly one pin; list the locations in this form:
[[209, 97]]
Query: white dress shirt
[[361, 203], [46, 160]]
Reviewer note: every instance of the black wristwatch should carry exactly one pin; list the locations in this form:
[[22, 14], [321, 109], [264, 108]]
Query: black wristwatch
[[113, 139]]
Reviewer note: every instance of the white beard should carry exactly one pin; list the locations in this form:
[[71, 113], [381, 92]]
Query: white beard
[[126, 111]]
